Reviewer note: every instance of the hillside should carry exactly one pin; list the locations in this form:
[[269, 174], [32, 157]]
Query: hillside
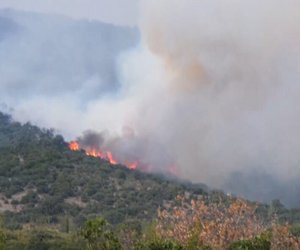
[[49, 193], [42, 181]]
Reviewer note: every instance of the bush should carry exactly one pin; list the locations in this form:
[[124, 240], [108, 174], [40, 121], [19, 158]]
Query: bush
[[38, 241], [31, 197], [158, 245], [258, 243], [2, 239], [295, 230], [98, 236]]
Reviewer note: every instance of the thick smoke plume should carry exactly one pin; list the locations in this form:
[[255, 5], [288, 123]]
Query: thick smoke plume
[[231, 97], [214, 85]]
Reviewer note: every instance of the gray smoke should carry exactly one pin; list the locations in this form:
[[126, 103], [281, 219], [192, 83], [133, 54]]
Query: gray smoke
[[230, 103], [54, 69], [128, 148], [91, 139]]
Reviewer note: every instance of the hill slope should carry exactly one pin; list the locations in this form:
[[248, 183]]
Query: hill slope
[[42, 181]]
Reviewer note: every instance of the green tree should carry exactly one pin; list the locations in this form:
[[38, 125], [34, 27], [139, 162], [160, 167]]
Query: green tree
[[98, 236]]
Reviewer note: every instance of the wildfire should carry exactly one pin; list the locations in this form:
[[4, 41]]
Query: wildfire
[[74, 146], [93, 152], [109, 156], [132, 165]]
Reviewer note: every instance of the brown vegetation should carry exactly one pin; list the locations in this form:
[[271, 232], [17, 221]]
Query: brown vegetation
[[219, 225]]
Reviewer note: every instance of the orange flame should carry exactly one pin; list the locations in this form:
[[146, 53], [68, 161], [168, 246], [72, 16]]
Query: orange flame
[[93, 152], [111, 158], [74, 146], [132, 165], [108, 155]]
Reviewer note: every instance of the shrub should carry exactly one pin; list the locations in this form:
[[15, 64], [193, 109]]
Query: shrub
[[98, 236], [2, 239], [258, 243], [158, 245], [198, 223]]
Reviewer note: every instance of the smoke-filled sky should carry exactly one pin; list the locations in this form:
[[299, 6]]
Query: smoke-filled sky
[[210, 85], [232, 71], [122, 12]]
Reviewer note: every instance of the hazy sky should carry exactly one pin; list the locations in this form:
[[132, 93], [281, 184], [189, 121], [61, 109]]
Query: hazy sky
[[112, 11]]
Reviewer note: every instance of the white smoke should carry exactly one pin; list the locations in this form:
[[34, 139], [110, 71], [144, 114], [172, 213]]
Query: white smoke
[[229, 96], [233, 85]]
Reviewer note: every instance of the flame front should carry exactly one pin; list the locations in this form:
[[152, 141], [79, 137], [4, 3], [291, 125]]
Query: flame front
[[74, 146], [95, 153], [113, 159]]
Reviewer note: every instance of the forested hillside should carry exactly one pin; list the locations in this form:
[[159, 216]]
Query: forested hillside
[[42, 181], [55, 198]]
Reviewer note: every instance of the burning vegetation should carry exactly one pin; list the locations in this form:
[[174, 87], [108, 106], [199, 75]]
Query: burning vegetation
[[128, 150], [106, 155]]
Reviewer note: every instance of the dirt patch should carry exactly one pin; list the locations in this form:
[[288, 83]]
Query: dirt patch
[[5, 205]]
